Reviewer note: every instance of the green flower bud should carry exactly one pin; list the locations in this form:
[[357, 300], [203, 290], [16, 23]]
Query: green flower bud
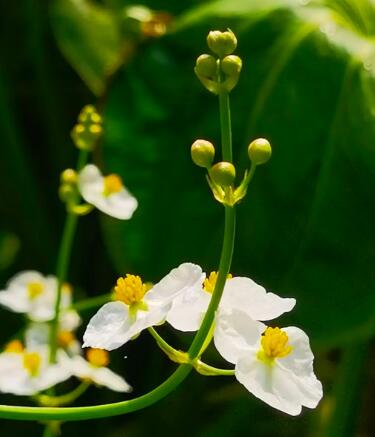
[[259, 151], [67, 192], [206, 66], [222, 43], [231, 65], [223, 173], [69, 176], [202, 153], [88, 129]]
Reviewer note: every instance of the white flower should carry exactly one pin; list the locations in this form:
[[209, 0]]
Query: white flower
[[107, 193], [32, 293], [275, 365], [242, 293], [37, 333], [28, 372], [95, 370], [136, 308]]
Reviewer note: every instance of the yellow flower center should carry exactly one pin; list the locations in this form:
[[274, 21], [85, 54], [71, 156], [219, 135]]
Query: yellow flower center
[[210, 282], [130, 290], [274, 344], [34, 289], [31, 362], [65, 338], [98, 357], [112, 184], [67, 288], [14, 346]]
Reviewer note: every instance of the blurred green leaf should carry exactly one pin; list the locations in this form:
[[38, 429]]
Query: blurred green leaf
[[306, 228], [9, 246], [89, 37]]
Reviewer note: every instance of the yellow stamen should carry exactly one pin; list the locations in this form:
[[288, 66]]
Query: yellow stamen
[[34, 289], [65, 338], [98, 357], [210, 282], [67, 288], [95, 129], [31, 362], [130, 289], [112, 184], [14, 346], [274, 342]]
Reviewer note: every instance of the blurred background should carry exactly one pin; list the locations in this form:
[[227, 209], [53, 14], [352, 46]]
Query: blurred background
[[306, 228]]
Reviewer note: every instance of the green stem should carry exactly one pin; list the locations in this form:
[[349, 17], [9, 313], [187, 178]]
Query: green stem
[[92, 303], [63, 264], [175, 355], [68, 398], [225, 122], [224, 268]]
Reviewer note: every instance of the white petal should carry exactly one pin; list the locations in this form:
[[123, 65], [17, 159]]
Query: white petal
[[120, 205], [236, 333], [178, 280], [69, 320], [268, 383], [188, 309], [299, 363], [100, 375], [109, 327], [246, 295], [37, 334], [16, 297]]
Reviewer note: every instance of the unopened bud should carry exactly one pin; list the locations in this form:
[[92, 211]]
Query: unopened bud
[[231, 65], [202, 153], [206, 66], [259, 151], [69, 176], [223, 173], [222, 43], [88, 129], [67, 192]]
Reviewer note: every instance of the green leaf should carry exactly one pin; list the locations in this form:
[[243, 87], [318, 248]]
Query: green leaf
[[306, 227], [89, 37]]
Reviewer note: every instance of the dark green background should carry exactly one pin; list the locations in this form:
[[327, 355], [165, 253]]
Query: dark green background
[[306, 228]]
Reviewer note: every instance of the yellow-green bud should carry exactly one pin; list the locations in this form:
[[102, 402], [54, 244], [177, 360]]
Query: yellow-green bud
[[67, 192], [223, 173], [69, 176], [88, 129], [231, 65], [206, 66], [202, 153], [259, 151], [222, 43]]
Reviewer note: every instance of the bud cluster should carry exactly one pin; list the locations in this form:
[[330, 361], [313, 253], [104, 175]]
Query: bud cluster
[[221, 176], [219, 72], [88, 130]]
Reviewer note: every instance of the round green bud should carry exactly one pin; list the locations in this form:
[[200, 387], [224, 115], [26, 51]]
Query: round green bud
[[66, 192], [206, 66], [231, 65], [202, 153], [69, 176], [222, 43], [259, 151], [223, 173]]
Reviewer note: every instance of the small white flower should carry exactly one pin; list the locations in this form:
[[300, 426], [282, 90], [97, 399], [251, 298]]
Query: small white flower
[[107, 193], [242, 293], [27, 372], [275, 365], [95, 370], [137, 308], [37, 333], [32, 293]]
